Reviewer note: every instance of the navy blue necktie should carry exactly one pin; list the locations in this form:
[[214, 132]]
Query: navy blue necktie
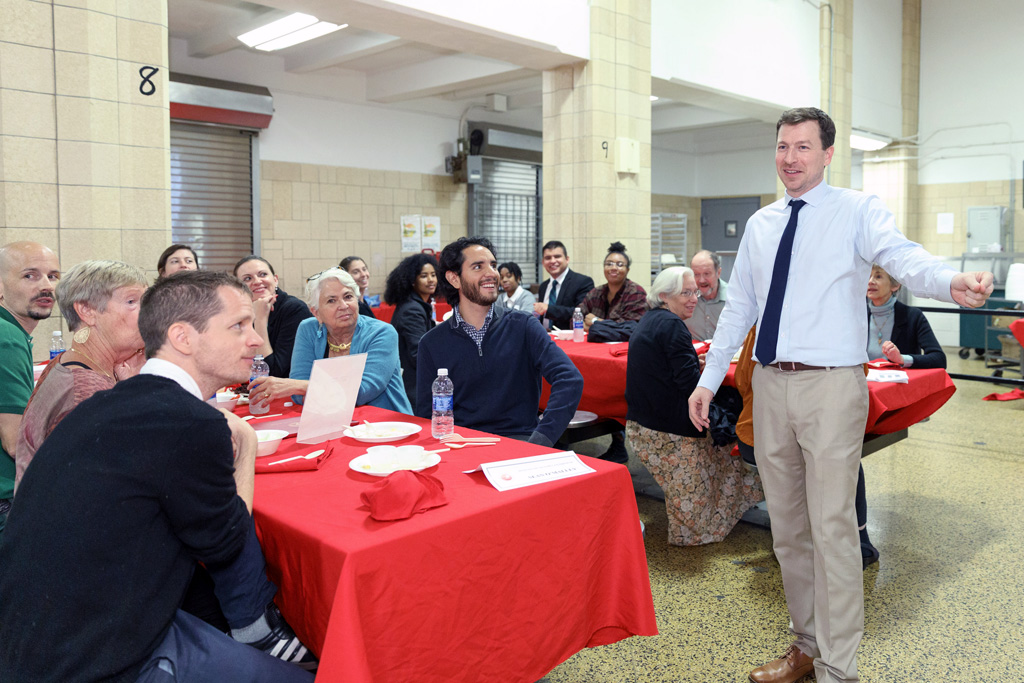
[[768, 335], [551, 301]]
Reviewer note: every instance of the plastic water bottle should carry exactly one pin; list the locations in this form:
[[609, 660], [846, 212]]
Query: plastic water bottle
[[259, 369], [577, 325], [433, 311], [56, 344], [442, 419]]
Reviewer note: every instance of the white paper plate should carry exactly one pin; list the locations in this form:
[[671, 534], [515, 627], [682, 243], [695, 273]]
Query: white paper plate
[[382, 432], [383, 464]]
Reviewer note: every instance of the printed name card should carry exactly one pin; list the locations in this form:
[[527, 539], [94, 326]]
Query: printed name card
[[896, 376], [506, 475]]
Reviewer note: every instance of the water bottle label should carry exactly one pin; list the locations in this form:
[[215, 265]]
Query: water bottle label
[[577, 324], [54, 354], [443, 404]]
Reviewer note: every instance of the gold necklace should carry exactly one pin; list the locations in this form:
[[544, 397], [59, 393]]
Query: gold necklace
[[338, 348], [95, 365]]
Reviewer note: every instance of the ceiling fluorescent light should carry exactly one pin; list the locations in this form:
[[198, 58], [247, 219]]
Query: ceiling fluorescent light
[[654, 98], [291, 30], [300, 36], [276, 29], [868, 142]]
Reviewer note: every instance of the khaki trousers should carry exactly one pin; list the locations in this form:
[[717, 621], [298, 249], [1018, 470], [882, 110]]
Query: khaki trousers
[[808, 432]]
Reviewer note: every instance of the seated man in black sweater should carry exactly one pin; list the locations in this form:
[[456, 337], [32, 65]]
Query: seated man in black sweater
[[131, 489], [495, 357]]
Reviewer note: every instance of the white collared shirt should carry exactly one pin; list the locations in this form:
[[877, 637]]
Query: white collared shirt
[[167, 369], [840, 234], [560, 280]]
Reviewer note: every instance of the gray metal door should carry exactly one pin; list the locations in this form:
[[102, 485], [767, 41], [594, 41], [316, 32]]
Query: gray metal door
[[722, 222]]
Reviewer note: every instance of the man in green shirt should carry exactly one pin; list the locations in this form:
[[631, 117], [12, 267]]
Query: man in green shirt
[[28, 272]]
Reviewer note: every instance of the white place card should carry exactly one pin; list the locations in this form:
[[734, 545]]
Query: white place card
[[506, 475], [893, 376]]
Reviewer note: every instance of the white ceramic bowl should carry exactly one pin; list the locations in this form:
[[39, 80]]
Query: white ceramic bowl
[[227, 400], [269, 441]]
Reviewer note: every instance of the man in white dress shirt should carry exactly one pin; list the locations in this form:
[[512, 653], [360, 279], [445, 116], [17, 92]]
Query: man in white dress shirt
[[810, 395]]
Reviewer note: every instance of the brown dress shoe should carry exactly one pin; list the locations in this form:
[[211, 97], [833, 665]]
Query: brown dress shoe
[[789, 668]]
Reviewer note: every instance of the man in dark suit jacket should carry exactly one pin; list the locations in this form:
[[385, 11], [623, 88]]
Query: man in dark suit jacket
[[572, 288]]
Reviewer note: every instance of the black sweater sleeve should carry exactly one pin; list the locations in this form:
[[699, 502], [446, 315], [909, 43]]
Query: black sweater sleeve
[[284, 322]]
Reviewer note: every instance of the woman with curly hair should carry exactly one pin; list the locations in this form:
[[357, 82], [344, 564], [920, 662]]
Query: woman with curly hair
[[619, 299], [409, 288]]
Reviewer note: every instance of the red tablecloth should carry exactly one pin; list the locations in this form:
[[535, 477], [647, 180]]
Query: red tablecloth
[[491, 587], [385, 311], [892, 406], [604, 377]]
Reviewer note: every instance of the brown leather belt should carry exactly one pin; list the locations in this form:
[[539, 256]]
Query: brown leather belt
[[788, 366]]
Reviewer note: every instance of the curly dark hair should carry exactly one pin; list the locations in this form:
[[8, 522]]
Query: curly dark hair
[[512, 268], [619, 248], [452, 259], [401, 282]]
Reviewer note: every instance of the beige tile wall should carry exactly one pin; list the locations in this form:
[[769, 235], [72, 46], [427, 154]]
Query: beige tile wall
[[313, 216], [956, 198], [84, 155]]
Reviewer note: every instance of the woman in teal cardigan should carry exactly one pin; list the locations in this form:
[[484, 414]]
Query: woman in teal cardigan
[[337, 329]]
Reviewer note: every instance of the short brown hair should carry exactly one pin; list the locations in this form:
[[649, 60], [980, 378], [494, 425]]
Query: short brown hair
[[189, 296], [826, 126]]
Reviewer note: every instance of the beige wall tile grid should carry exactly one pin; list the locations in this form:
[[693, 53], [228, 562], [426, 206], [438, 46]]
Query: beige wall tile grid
[[84, 155], [313, 216]]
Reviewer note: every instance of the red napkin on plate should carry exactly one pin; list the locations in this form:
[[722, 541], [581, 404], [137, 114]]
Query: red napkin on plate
[[619, 349], [883, 364], [264, 465], [402, 494], [701, 347]]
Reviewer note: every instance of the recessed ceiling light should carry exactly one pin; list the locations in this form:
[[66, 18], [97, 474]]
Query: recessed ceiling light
[[868, 142], [291, 30]]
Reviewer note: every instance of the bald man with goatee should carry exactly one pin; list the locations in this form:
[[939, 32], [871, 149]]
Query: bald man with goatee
[[29, 272]]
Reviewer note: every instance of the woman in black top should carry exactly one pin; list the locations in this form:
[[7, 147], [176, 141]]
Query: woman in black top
[[278, 313], [356, 267], [706, 490], [410, 287]]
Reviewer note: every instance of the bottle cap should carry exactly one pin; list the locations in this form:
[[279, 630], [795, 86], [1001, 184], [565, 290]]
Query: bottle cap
[[56, 333], [442, 372], [257, 357]]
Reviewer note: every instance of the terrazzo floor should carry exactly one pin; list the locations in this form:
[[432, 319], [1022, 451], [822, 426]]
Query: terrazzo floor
[[945, 602]]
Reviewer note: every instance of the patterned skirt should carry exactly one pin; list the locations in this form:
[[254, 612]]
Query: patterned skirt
[[706, 489]]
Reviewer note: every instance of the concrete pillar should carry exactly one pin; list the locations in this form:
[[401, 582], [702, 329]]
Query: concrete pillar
[[84, 136], [837, 83], [587, 203], [891, 173]]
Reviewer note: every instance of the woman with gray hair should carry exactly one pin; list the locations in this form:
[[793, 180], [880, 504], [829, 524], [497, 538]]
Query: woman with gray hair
[[337, 329], [100, 302], [706, 490]]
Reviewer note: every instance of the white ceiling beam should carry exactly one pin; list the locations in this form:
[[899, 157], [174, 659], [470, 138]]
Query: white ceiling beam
[[437, 76], [429, 29], [666, 118], [718, 100], [339, 51]]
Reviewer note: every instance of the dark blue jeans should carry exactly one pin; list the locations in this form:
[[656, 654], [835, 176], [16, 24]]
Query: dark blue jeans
[[241, 586], [196, 652]]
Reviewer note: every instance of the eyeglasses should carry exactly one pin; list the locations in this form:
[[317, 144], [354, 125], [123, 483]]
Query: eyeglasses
[[615, 264], [689, 293], [315, 276]]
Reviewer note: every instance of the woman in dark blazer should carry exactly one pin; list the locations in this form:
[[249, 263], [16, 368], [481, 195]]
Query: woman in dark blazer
[[706, 489], [410, 288], [902, 335]]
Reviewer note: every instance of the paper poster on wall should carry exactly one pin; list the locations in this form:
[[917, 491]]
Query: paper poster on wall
[[411, 229], [432, 233], [944, 223]]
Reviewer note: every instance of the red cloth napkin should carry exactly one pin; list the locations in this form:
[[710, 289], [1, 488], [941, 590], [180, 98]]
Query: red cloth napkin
[[263, 465], [701, 347], [403, 494], [619, 349], [1011, 395], [883, 364]]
